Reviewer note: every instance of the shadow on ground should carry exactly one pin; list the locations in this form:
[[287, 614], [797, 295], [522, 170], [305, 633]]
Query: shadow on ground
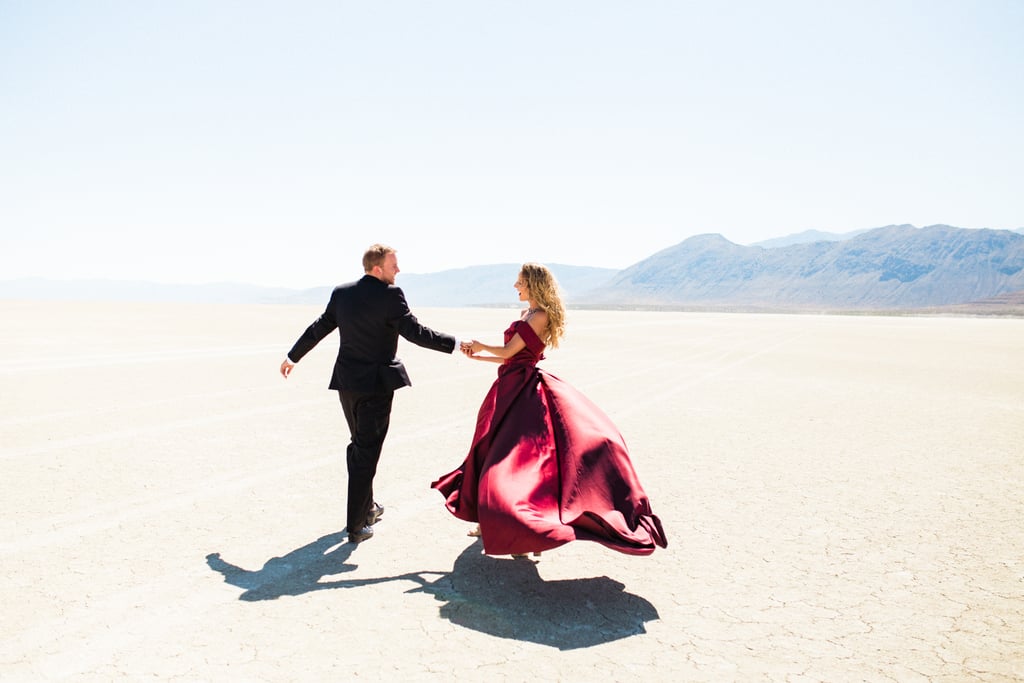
[[503, 597]]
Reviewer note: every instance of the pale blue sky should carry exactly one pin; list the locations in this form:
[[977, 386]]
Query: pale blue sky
[[271, 142]]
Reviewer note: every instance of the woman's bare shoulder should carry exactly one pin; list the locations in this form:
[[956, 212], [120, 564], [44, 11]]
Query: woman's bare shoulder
[[538, 320]]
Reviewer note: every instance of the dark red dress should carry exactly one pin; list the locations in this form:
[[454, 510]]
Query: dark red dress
[[547, 466]]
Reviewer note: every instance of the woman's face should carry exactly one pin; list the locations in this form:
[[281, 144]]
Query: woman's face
[[524, 291]]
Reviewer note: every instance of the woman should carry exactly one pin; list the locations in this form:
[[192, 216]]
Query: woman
[[546, 465]]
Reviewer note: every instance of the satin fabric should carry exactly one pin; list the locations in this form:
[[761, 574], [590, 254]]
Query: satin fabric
[[547, 467]]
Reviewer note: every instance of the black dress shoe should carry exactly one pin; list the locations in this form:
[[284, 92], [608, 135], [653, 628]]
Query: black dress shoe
[[376, 512], [361, 535]]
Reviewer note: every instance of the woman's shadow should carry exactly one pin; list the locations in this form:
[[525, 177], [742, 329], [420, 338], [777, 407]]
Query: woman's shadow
[[502, 597]]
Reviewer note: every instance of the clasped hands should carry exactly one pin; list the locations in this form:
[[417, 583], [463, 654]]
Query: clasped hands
[[470, 347]]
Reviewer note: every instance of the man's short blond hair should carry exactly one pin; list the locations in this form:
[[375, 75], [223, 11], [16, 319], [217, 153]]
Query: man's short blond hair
[[375, 256]]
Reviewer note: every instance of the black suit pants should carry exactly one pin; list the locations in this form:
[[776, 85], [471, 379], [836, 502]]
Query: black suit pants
[[368, 417]]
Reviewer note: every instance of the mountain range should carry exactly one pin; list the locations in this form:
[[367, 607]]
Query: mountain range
[[897, 267]]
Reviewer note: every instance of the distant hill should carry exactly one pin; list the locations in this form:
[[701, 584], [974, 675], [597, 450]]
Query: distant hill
[[807, 236], [898, 266], [493, 284]]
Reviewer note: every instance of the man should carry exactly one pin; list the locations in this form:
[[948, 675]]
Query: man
[[369, 314]]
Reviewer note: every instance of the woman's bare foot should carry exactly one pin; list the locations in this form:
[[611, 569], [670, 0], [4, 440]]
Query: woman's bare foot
[[474, 532], [520, 556]]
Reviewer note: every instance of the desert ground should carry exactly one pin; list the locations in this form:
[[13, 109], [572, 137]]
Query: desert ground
[[843, 498]]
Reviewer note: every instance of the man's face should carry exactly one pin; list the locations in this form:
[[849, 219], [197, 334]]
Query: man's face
[[389, 269]]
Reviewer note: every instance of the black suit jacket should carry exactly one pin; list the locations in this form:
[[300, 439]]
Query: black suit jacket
[[369, 315]]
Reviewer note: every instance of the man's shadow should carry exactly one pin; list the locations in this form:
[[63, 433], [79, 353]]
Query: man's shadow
[[495, 595], [298, 572]]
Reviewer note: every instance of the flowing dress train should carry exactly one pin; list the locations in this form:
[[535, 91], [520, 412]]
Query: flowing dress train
[[547, 466]]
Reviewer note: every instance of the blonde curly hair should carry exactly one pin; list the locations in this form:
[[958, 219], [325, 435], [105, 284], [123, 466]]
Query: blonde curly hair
[[542, 287]]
